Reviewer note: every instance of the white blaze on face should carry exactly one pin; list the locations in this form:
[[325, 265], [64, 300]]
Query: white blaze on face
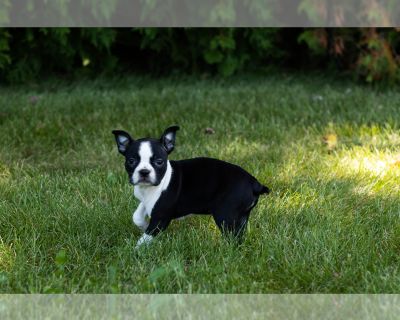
[[145, 154]]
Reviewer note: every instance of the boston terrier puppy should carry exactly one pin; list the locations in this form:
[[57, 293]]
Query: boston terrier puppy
[[169, 190]]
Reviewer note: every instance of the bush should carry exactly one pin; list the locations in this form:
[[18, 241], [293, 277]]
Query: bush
[[27, 54], [370, 53]]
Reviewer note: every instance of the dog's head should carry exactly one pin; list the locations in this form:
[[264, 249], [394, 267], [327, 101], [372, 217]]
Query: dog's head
[[146, 159]]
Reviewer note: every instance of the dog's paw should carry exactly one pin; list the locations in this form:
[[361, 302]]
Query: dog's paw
[[144, 240]]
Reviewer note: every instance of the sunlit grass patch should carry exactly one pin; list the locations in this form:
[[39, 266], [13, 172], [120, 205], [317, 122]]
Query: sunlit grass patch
[[377, 171], [7, 257], [5, 173], [377, 164]]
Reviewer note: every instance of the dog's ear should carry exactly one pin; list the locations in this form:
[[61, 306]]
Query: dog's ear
[[123, 140], [168, 138]]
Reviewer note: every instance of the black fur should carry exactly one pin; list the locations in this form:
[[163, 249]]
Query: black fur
[[208, 186]]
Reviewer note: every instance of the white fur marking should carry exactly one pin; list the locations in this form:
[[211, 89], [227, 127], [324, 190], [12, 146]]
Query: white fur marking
[[121, 145], [148, 195], [145, 154], [122, 139], [169, 136], [139, 217], [144, 239]]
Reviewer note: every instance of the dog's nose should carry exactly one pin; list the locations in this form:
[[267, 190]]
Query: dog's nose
[[144, 172]]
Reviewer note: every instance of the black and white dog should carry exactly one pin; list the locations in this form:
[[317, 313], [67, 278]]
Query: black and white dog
[[169, 190]]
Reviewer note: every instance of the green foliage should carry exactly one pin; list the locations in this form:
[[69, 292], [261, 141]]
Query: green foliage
[[222, 51], [262, 10], [5, 59], [57, 12], [4, 9], [27, 54], [313, 41], [30, 53], [370, 53], [378, 61]]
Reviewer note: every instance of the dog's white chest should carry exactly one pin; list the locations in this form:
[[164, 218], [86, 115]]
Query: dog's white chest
[[149, 195]]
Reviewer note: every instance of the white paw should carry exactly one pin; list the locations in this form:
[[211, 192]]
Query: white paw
[[144, 239]]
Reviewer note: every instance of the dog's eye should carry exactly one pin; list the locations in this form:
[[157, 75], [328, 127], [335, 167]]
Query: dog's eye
[[159, 162], [131, 161]]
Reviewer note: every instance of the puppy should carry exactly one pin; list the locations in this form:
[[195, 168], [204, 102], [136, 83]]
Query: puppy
[[169, 190]]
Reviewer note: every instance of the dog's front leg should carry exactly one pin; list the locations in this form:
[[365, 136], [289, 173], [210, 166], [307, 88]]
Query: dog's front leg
[[139, 217], [155, 226]]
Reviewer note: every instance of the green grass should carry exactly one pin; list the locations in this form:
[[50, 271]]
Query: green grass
[[331, 224]]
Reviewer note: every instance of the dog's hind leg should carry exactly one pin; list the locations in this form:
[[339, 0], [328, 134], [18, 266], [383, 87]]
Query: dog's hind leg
[[232, 224], [232, 220]]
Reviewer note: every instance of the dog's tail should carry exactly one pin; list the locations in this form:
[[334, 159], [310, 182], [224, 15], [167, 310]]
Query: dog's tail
[[259, 189]]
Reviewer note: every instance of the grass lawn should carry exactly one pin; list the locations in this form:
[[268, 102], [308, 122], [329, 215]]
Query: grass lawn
[[331, 223]]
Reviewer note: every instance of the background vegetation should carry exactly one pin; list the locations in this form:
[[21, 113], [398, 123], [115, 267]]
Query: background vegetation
[[371, 54]]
